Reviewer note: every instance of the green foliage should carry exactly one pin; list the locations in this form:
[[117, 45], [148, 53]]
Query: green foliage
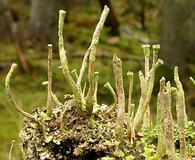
[[150, 139]]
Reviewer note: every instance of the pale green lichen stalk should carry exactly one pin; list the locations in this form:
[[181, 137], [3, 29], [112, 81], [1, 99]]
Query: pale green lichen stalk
[[10, 96], [118, 75], [94, 42], [92, 56], [147, 116], [181, 114], [146, 84], [109, 87], [161, 147], [65, 68], [15, 105], [165, 138], [96, 79], [129, 122], [49, 86], [165, 101]]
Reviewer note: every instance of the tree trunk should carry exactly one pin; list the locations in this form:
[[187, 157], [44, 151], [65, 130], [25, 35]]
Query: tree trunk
[[42, 16], [177, 33], [111, 20]]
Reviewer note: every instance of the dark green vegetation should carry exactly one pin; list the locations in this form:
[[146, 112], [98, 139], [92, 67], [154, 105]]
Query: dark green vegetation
[[80, 128]]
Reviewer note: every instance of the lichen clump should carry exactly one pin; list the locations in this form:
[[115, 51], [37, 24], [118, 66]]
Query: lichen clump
[[67, 135]]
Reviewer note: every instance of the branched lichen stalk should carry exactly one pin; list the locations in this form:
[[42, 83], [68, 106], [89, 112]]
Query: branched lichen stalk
[[118, 74], [181, 117], [146, 91], [129, 124], [92, 56], [49, 86], [147, 117], [65, 67], [10, 96]]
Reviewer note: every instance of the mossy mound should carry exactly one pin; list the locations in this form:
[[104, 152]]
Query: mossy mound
[[67, 135]]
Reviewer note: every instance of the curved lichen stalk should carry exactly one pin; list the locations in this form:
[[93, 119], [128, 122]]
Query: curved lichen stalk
[[15, 105], [109, 87], [10, 96]]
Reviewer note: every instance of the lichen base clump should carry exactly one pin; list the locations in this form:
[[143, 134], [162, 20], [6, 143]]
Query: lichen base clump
[[67, 135]]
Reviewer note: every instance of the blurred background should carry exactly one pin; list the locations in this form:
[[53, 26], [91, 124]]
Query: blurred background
[[27, 26]]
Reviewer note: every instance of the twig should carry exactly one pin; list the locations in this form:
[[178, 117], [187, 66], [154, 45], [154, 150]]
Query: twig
[[92, 56], [65, 68], [49, 86], [11, 98], [117, 67]]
